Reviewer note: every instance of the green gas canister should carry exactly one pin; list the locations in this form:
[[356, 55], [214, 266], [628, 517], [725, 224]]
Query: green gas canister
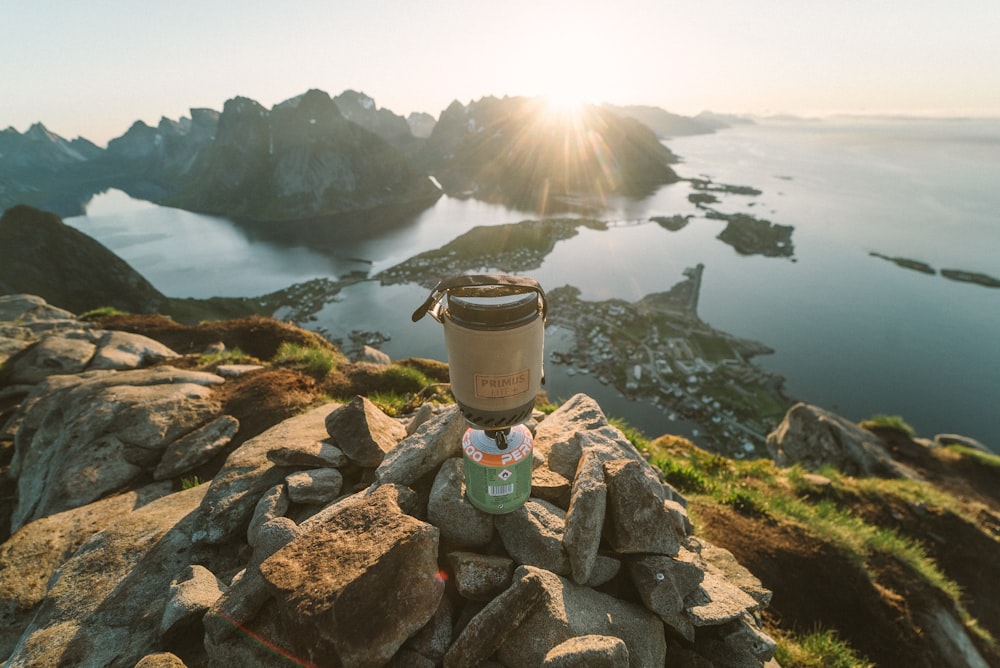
[[497, 468]]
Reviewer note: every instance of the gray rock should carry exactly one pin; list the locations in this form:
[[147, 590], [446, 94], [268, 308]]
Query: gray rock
[[371, 355], [722, 562], [606, 567], [492, 625], [425, 450], [716, 602], [589, 651], [480, 577], [29, 558], [196, 448], [533, 535], [105, 603], [448, 508], [125, 350], [316, 487], [236, 370], [664, 582], [423, 414], [53, 355], [273, 504], [248, 473], [549, 486], [814, 437], [192, 593], [585, 518], [638, 519], [568, 610], [378, 584], [739, 643], [364, 432], [958, 439], [434, 639], [31, 308], [578, 413], [310, 454], [87, 435]]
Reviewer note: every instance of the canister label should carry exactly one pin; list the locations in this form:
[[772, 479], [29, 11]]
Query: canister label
[[497, 480]]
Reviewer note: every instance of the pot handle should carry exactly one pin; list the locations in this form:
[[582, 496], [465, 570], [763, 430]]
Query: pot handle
[[517, 285]]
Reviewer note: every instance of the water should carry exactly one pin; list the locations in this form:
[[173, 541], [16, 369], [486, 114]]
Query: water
[[852, 333]]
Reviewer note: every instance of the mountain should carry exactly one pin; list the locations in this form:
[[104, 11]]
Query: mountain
[[300, 160], [43, 169], [421, 124], [70, 269], [361, 109], [664, 123], [522, 152]]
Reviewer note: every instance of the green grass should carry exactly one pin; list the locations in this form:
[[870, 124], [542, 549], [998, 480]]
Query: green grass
[[985, 458], [188, 483], [101, 312], [392, 404], [228, 356], [894, 421], [311, 360], [818, 649]]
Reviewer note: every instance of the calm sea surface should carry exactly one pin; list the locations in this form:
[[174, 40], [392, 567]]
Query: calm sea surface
[[853, 333]]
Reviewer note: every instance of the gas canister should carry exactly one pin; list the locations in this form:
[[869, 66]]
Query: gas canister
[[497, 468]]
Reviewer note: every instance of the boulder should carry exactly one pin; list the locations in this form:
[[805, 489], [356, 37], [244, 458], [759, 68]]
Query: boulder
[[192, 593], [533, 535], [106, 603], [378, 585], [579, 413], [88, 435], [273, 504], [639, 517], [449, 509], [585, 518], [53, 355], [424, 450], [588, 652], [310, 454], [315, 487], [249, 472], [814, 437], [196, 448], [363, 432], [568, 610], [480, 577], [958, 439], [125, 350]]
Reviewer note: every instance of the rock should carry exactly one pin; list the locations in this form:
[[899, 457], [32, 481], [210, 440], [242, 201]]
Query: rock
[[124, 350], [605, 568], [568, 610], [192, 593], [32, 308], [53, 355], [248, 473], [549, 486], [738, 643], [196, 448], [29, 558], [311, 454], [422, 415], [589, 651], [663, 582], [85, 436], [448, 508], [716, 602], [585, 518], [317, 487], [434, 639], [273, 504], [105, 603], [639, 520], [813, 437], [236, 370], [491, 627], [579, 413], [364, 432], [533, 535], [372, 356], [425, 450], [722, 561], [480, 577], [957, 439], [378, 584]]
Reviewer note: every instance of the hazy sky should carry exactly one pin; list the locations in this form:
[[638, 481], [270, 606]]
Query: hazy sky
[[93, 67]]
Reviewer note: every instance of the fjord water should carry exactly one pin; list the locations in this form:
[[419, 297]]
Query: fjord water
[[851, 332]]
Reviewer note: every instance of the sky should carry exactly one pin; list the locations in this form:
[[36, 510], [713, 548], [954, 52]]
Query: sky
[[93, 68]]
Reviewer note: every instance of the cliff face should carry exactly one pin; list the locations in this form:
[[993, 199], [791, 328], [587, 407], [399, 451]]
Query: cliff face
[[302, 159], [341, 535]]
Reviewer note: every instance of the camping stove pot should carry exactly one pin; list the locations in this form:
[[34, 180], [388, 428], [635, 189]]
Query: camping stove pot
[[494, 331]]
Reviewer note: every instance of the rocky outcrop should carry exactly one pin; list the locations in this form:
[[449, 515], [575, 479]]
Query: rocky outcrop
[[814, 437], [67, 268], [307, 545]]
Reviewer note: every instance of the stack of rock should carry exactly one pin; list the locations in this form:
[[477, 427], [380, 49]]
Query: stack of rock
[[343, 537]]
